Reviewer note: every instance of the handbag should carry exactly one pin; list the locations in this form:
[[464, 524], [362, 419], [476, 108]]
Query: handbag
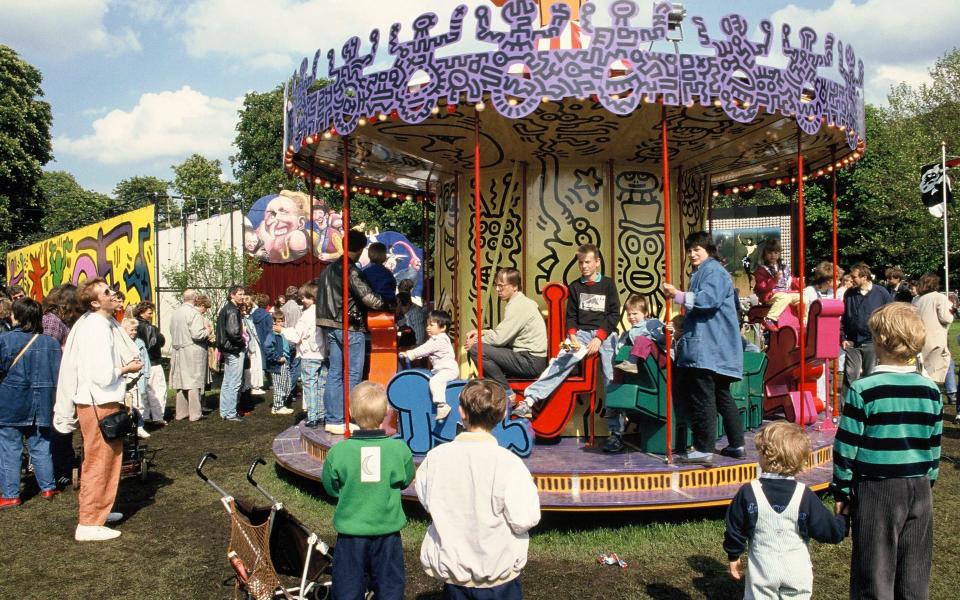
[[114, 426]]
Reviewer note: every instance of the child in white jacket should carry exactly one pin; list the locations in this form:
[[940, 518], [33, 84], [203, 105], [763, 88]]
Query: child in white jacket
[[482, 500], [443, 360], [311, 348]]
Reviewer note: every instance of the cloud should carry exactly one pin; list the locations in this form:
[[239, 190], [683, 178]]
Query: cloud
[[274, 34], [63, 28], [897, 41], [164, 125]]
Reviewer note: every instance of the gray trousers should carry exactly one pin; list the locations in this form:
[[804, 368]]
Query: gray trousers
[[500, 363], [859, 361], [189, 405], [892, 523]]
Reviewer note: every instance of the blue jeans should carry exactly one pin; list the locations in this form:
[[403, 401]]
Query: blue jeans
[[368, 562], [333, 393], [511, 590], [950, 383], [11, 446], [559, 368], [313, 374], [230, 388]]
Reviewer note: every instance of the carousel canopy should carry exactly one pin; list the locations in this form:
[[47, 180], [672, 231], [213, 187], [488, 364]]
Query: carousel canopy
[[600, 99]]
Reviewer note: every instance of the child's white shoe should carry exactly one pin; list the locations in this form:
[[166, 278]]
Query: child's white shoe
[[442, 411], [142, 433]]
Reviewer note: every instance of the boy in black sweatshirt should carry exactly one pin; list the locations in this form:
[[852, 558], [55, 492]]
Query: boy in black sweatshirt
[[593, 312]]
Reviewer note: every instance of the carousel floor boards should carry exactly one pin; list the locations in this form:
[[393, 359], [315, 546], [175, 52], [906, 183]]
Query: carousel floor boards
[[571, 476]]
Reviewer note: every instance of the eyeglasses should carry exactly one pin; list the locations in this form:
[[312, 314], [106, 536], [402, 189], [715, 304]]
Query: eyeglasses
[[110, 293]]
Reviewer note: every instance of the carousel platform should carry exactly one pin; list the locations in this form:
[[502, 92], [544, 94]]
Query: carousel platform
[[571, 476]]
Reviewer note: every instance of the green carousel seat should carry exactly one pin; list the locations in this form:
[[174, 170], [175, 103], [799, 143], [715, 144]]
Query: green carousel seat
[[643, 396]]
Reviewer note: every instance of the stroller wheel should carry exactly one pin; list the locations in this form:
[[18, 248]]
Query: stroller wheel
[[321, 591]]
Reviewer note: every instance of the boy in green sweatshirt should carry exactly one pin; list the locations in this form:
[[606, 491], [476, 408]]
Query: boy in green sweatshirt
[[366, 473]]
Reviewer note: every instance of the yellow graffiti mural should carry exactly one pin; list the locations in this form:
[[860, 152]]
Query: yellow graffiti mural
[[120, 249]]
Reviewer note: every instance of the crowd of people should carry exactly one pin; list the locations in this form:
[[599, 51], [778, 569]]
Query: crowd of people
[[79, 358]]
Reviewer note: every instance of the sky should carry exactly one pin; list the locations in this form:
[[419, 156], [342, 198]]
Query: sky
[[137, 86]]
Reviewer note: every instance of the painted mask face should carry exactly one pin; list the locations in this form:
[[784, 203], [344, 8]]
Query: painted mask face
[[282, 217]]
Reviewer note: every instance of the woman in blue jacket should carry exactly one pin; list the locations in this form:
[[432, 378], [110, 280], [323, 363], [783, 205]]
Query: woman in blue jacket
[[29, 363], [709, 353]]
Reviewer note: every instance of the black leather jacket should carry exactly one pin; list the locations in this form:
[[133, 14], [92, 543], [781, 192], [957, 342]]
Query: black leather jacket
[[330, 298], [152, 339], [230, 330]]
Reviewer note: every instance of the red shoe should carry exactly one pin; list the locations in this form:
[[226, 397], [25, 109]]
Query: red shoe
[[6, 503], [49, 494]]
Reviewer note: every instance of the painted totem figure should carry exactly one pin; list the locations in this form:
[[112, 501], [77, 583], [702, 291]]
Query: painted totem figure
[[851, 70], [516, 48], [618, 47], [737, 61], [418, 55], [348, 81], [801, 73]]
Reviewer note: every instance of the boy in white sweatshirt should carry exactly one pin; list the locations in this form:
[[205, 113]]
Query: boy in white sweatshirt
[[482, 500], [311, 348]]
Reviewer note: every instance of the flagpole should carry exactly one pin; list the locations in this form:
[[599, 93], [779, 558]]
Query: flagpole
[[946, 255]]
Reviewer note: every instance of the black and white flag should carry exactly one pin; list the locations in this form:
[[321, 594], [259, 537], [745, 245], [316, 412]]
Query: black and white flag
[[931, 188]]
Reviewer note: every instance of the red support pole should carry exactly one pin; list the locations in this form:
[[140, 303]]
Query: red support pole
[[835, 397], [665, 157], [345, 262], [476, 240], [801, 231]]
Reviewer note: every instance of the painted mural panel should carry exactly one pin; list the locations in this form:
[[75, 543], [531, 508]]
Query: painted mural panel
[[120, 249]]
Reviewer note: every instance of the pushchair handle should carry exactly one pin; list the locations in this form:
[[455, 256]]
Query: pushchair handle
[[253, 466], [207, 480]]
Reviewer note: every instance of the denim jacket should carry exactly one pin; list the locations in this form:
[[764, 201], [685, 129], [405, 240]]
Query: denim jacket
[[27, 391], [711, 328]]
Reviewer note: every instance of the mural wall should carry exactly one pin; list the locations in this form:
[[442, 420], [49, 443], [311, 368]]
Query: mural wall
[[120, 249]]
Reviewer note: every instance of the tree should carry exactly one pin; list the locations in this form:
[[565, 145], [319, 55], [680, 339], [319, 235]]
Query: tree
[[66, 205], [212, 271], [258, 163], [24, 147], [145, 189], [200, 182]]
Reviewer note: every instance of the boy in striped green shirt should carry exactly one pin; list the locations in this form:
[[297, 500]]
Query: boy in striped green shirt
[[886, 457]]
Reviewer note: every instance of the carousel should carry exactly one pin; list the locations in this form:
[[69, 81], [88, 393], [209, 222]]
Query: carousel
[[583, 123]]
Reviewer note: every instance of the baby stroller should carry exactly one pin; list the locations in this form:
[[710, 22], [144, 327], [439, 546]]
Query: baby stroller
[[138, 457], [266, 542]]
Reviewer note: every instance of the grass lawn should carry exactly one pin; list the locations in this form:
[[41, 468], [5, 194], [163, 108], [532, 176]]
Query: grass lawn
[[175, 533]]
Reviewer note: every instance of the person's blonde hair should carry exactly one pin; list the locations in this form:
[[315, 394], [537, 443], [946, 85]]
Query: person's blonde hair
[[129, 321], [484, 403], [368, 404], [784, 448], [898, 331]]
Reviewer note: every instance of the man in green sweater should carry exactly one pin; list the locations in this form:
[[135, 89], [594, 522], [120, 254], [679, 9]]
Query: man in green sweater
[[886, 457], [517, 347], [366, 473]]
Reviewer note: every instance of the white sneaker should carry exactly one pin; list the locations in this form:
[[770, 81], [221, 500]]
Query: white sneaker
[[95, 533], [142, 433], [257, 391], [442, 411], [114, 517], [339, 428], [281, 411]]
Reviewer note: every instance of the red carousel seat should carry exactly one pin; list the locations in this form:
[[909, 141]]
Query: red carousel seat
[[555, 412]]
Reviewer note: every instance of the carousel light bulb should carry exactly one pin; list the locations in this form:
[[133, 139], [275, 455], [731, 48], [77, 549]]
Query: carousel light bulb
[[856, 155], [779, 182], [544, 99], [341, 186], [717, 103], [327, 185], [290, 148], [409, 197], [750, 188], [843, 128], [819, 172], [327, 135], [361, 121], [366, 191], [512, 101], [451, 108], [735, 190], [745, 104], [480, 106], [353, 189], [829, 168], [716, 193], [393, 195], [839, 164], [379, 192], [309, 140], [382, 117], [435, 110]]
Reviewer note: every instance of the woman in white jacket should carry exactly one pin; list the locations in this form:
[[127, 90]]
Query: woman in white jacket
[[97, 357]]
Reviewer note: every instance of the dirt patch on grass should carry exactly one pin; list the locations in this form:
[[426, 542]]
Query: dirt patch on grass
[[175, 534]]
